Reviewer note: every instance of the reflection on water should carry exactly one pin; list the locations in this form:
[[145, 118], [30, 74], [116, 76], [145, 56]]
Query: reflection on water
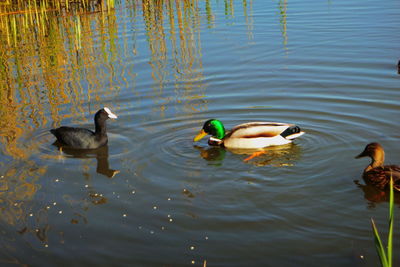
[[60, 62], [52, 63], [101, 155], [211, 153], [18, 186], [283, 21], [276, 156], [375, 196]]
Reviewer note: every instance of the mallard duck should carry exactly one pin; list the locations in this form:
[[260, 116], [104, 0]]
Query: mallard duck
[[81, 138], [376, 173], [252, 135]]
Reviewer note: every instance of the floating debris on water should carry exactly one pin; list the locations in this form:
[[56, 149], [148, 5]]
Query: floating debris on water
[[187, 193]]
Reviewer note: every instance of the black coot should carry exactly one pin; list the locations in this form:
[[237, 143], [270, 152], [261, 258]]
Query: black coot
[[82, 138]]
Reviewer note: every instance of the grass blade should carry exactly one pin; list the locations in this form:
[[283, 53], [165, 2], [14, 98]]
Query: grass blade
[[391, 213], [378, 245]]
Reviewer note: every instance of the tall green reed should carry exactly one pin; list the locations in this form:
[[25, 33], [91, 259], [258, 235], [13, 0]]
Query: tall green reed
[[385, 255]]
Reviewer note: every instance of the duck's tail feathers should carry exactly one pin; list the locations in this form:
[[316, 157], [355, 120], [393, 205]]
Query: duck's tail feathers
[[292, 132]]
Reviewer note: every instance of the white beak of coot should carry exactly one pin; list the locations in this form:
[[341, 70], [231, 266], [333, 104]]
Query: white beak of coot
[[110, 114]]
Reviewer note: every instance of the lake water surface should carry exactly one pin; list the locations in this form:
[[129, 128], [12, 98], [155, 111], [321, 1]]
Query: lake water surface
[[152, 197]]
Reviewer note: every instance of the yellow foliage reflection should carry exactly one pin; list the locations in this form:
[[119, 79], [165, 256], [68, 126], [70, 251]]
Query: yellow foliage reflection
[[65, 59]]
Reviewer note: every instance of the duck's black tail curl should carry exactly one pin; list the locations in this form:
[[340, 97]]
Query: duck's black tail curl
[[291, 130]]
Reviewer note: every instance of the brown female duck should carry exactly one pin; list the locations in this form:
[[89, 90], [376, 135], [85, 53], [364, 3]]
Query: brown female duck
[[376, 173]]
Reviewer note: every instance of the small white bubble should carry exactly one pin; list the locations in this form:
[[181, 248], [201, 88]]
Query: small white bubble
[[48, 207], [31, 214], [133, 192], [151, 232], [169, 199], [155, 207], [162, 228], [170, 220], [96, 195], [54, 203], [140, 227], [46, 246], [60, 212], [192, 248], [113, 193], [124, 215], [362, 256], [193, 262], [101, 195], [206, 237], [37, 230], [2, 176], [169, 215], [86, 185], [57, 180], [15, 204]]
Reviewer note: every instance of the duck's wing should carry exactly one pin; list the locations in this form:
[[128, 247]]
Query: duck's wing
[[73, 137], [380, 177], [376, 177], [264, 129], [394, 172]]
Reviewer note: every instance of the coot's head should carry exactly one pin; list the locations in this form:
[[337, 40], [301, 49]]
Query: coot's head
[[104, 114]]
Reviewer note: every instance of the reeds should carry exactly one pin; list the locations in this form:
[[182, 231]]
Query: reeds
[[385, 255]]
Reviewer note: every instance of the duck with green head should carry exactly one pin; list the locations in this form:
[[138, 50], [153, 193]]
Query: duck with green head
[[252, 135]]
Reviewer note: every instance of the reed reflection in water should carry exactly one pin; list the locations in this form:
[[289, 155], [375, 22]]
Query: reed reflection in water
[[60, 61]]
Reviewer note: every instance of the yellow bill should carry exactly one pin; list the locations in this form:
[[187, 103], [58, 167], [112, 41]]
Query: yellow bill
[[200, 135]]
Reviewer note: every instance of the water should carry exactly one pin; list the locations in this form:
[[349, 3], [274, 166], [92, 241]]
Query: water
[[152, 197]]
